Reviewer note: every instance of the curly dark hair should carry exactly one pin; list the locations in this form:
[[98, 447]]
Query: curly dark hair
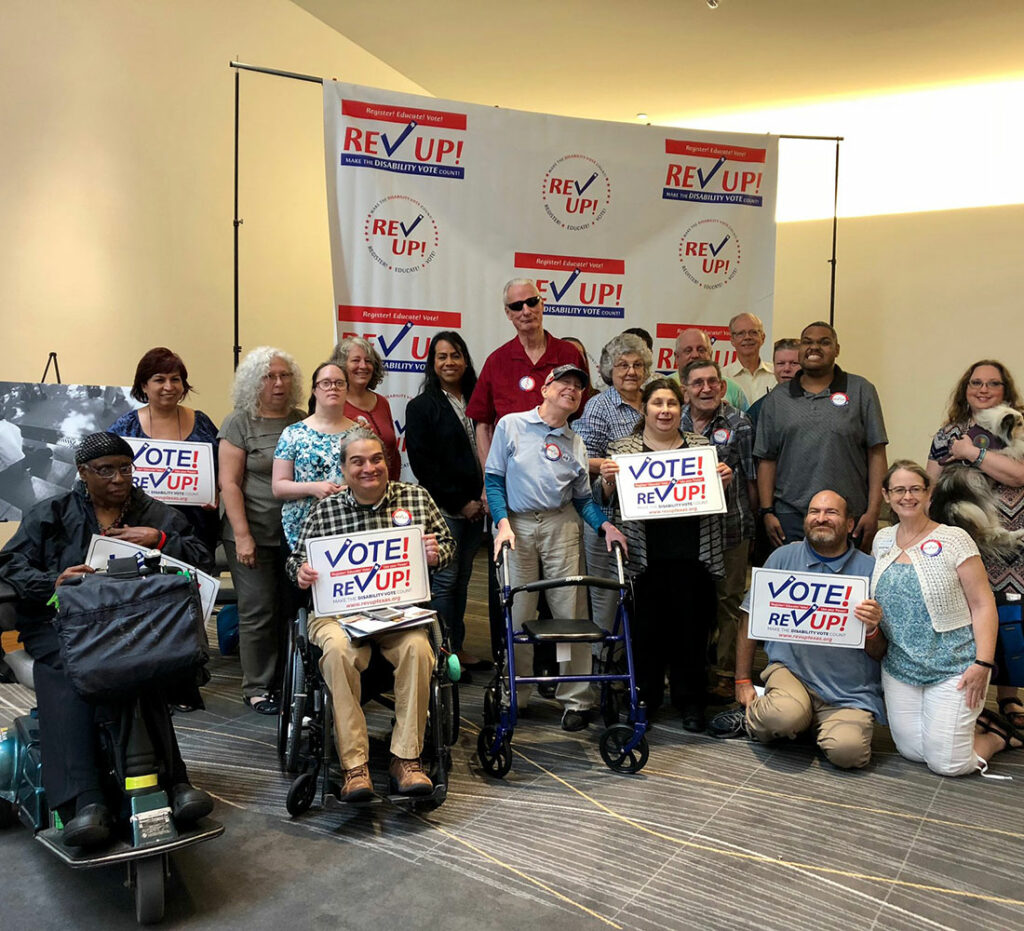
[[960, 411], [431, 381]]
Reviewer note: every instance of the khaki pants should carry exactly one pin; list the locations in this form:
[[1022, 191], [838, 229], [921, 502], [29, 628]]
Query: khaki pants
[[730, 596], [788, 708], [409, 651], [548, 547]]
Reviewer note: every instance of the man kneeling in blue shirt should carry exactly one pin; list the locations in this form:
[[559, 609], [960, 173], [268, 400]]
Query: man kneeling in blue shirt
[[837, 690]]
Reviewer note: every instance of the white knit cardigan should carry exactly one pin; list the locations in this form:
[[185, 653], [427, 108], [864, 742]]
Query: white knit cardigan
[[935, 560]]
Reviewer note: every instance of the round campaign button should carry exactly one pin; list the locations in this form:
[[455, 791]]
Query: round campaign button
[[839, 399], [721, 435], [401, 518], [552, 452], [931, 547], [526, 383]]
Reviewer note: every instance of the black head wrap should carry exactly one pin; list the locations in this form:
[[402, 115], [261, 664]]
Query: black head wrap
[[101, 444]]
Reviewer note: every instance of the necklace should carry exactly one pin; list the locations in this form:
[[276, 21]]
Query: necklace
[[116, 522], [913, 539], [658, 446], [177, 411]]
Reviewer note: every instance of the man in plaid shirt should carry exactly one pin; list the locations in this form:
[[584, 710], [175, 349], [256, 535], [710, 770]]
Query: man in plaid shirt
[[371, 502]]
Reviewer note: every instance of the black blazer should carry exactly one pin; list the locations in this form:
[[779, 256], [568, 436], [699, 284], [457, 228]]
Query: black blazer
[[440, 453]]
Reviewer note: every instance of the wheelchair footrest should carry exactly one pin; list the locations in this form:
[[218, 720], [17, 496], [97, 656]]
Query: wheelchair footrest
[[565, 630]]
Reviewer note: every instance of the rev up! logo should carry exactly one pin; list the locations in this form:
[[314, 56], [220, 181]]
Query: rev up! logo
[[400, 234], [721, 348], [576, 286], [710, 253], [401, 334], [712, 173], [576, 192], [406, 140]]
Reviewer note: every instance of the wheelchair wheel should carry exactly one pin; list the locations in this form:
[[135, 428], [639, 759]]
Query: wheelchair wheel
[[7, 815], [301, 793], [296, 715], [611, 745], [496, 764], [147, 878], [284, 714]]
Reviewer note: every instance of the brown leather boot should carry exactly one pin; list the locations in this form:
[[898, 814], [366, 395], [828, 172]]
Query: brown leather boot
[[408, 778], [357, 786]]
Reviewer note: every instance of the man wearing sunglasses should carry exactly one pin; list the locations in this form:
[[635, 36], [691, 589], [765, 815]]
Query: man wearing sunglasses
[[510, 382]]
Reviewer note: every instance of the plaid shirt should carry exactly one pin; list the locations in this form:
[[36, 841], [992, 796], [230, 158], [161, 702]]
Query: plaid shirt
[[731, 433], [605, 418], [341, 513]]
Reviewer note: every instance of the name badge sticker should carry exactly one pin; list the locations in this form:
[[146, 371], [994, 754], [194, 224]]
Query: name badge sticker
[[526, 383], [721, 436], [552, 452], [401, 518], [839, 399]]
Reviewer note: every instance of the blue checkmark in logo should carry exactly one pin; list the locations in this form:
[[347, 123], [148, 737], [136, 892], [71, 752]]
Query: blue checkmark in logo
[[412, 226], [389, 148], [590, 181], [720, 247], [389, 348], [700, 174], [559, 293]]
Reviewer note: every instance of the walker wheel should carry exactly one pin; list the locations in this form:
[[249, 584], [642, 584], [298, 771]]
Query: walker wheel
[[301, 793], [494, 764], [147, 876], [612, 743]]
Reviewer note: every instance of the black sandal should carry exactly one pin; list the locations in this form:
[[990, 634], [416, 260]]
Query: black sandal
[[263, 704], [1014, 718], [991, 723]]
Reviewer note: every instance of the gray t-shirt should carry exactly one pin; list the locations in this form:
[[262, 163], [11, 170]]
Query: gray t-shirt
[[258, 437], [844, 677], [821, 440]]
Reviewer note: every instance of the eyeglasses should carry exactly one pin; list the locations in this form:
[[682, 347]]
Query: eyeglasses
[[978, 383], [914, 490], [517, 306], [629, 366], [278, 376], [108, 471], [325, 384], [739, 334], [699, 383]]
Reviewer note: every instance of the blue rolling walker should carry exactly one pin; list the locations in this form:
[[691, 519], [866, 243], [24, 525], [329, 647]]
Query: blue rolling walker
[[623, 746]]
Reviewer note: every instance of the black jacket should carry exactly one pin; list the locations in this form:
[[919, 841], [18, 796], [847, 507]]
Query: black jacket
[[56, 534], [440, 453]]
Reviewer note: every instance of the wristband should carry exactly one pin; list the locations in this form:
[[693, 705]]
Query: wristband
[[981, 662], [981, 457], [743, 681], [762, 511], [873, 633], [163, 539]]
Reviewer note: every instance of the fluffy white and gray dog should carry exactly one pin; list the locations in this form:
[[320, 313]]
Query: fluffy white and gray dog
[[964, 497]]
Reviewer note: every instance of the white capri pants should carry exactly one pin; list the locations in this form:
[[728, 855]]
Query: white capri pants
[[932, 724]]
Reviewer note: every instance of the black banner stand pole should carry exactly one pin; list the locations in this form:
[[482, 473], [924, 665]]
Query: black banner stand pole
[[51, 360]]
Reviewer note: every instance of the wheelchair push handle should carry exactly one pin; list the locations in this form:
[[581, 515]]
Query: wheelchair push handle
[[617, 549]]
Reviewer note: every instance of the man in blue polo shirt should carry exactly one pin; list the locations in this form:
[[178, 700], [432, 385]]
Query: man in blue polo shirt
[[538, 486], [837, 690]]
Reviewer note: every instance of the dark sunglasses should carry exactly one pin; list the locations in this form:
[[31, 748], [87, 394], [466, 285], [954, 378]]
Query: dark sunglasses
[[517, 306]]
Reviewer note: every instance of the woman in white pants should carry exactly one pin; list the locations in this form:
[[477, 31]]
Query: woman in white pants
[[939, 617]]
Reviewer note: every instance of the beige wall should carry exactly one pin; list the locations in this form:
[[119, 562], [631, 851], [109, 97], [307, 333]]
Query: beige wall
[[115, 186], [919, 297]]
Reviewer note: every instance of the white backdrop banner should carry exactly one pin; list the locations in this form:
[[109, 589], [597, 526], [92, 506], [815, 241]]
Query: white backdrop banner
[[435, 204]]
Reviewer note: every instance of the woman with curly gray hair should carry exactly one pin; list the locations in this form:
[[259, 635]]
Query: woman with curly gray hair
[[365, 369], [266, 393]]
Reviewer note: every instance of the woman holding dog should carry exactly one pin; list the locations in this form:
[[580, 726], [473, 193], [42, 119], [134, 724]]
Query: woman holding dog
[[938, 630], [985, 385]]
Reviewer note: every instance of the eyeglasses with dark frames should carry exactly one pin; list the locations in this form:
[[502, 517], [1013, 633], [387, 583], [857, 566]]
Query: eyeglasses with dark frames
[[517, 306]]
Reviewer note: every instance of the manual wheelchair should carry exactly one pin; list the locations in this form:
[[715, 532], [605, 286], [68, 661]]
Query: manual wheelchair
[[305, 735]]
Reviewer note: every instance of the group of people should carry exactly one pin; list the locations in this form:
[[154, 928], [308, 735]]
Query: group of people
[[530, 443]]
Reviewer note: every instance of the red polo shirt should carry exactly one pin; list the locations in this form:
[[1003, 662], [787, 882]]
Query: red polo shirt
[[510, 382]]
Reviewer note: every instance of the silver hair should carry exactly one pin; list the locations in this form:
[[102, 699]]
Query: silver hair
[[357, 435], [248, 384], [617, 347], [746, 313], [514, 282], [340, 358]]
